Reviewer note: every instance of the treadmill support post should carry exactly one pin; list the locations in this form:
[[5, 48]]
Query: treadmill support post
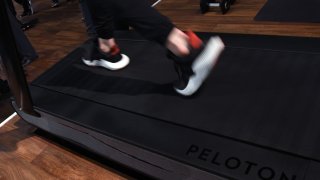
[[12, 64]]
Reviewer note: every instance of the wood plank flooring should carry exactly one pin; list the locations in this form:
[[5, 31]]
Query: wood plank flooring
[[26, 155]]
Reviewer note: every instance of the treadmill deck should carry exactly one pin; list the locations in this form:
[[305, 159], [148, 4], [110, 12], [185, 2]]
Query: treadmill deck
[[255, 118]]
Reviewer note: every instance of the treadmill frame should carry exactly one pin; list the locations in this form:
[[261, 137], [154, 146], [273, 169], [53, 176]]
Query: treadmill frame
[[134, 157]]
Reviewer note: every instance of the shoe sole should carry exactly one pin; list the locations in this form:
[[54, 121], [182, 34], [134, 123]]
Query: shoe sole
[[109, 65], [203, 65], [31, 8]]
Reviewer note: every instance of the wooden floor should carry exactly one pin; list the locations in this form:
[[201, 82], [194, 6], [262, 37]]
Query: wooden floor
[[25, 155]]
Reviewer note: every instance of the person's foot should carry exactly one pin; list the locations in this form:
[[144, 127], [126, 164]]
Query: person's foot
[[196, 67], [113, 60], [29, 11], [55, 4]]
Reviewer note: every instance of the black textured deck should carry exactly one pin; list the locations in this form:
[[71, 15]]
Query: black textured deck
[[263, 96]]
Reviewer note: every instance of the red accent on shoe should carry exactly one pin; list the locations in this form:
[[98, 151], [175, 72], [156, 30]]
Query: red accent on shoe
[[114, 50], [194, 40]]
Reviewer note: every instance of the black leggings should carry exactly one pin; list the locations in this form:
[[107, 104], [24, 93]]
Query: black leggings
[[137, 13]]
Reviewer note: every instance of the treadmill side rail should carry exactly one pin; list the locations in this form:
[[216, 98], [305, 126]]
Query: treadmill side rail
[[11, 61], [134, 157]]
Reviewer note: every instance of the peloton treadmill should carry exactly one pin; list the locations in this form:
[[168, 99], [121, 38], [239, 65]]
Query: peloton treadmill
[[256, 117]]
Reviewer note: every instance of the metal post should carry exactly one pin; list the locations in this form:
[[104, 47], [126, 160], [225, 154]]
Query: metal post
[[12, 64]]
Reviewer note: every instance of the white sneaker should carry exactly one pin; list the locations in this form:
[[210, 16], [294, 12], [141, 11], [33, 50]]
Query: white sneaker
[[193, 74], [112, 61]]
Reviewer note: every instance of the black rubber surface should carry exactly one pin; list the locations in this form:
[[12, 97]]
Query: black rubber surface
[[290, 11], [266, 97], [257, 94]]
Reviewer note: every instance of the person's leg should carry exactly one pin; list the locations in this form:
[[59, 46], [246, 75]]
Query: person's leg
[[146, 20], [87, 19], [27, 7], [177, 42], [193, 59], [23, 3], [150, 23], [26, 51], [103, 50]]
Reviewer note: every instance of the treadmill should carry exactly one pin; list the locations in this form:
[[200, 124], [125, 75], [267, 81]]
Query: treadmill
[[256, 117]]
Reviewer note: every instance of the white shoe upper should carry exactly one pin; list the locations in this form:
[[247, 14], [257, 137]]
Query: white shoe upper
[[203, 65], [109, 65]]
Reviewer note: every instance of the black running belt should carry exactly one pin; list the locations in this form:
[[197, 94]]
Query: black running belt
[[290, 11], [264, 96]]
